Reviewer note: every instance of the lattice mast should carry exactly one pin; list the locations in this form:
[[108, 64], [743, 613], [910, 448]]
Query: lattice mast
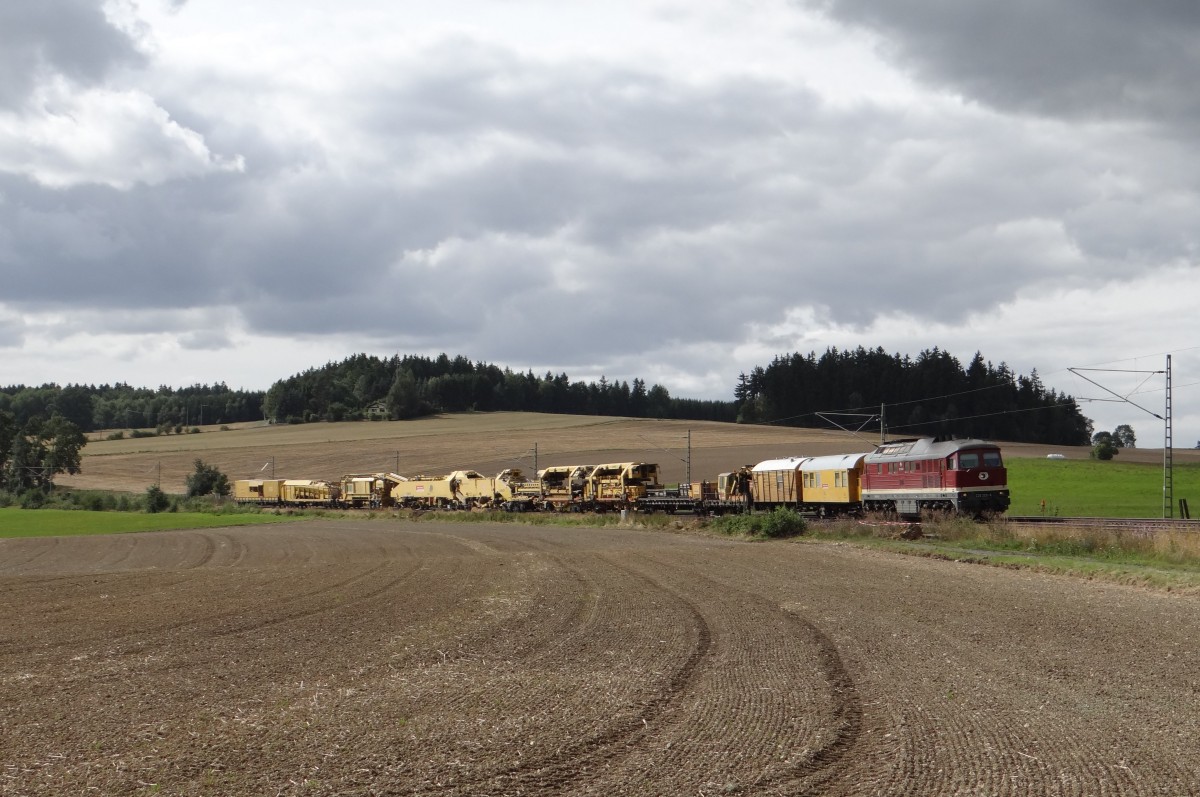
[[1168, 470]]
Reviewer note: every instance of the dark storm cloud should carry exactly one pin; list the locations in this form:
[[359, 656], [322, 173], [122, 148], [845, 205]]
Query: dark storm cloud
[[57, 37], [1091, 59]]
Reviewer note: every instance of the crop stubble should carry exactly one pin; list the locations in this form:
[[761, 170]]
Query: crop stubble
[[418, 659]]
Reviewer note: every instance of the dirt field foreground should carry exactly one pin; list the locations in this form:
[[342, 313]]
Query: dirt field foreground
[[387, 658]]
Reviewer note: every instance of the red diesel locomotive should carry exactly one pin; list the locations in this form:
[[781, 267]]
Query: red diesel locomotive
[[909, 477]]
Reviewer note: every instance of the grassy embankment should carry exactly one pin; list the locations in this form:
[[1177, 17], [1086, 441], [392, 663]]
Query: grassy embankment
[[1163, 559]]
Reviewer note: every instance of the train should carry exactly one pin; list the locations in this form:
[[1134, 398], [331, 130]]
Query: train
[[905, 478]]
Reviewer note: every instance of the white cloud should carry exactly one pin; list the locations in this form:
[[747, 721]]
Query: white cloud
[[67, 137]]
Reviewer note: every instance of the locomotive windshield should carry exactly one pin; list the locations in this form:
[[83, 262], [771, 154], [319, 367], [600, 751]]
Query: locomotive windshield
[[974, 459]]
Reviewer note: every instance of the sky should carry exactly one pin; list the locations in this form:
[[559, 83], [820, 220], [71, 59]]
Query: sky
[[204, 191]]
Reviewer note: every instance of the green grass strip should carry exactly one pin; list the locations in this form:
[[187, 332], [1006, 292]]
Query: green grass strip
[[63, 523], [1094, 488]]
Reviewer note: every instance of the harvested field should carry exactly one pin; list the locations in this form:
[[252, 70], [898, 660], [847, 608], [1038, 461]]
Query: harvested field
[[381, 657], [488, 442]]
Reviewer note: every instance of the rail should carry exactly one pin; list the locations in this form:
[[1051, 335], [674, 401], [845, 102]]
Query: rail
[[1144, 525]]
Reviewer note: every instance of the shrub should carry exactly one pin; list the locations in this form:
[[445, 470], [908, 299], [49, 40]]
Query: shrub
[[116, 436], [783, 522], [156, 499], [779, 522], [207, 480], [33, 499]]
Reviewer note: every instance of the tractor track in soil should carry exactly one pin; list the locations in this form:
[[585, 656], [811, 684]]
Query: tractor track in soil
[[389, 658]]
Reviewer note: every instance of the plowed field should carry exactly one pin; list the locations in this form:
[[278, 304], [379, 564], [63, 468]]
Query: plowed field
[[386, 658]]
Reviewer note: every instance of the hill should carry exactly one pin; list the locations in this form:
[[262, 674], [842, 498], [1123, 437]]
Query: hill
[[487, 442]]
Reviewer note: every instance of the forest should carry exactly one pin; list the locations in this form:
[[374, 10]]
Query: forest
[[120, 406], [930, 394], [411, 386]]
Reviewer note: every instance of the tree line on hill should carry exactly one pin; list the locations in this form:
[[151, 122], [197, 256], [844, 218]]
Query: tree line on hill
[[931, 394], [364, 386], [120, 406]]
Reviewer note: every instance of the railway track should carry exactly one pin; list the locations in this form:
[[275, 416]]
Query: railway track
[[1142, 525]]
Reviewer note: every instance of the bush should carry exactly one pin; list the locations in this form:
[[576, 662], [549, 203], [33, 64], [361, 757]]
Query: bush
[[156, 499], [783, 522], [206, 480], [779, 522], [116, 436], [33, 499]]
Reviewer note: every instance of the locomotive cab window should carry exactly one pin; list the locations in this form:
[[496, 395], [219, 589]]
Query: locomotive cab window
[[991, 459], [970, 460]]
